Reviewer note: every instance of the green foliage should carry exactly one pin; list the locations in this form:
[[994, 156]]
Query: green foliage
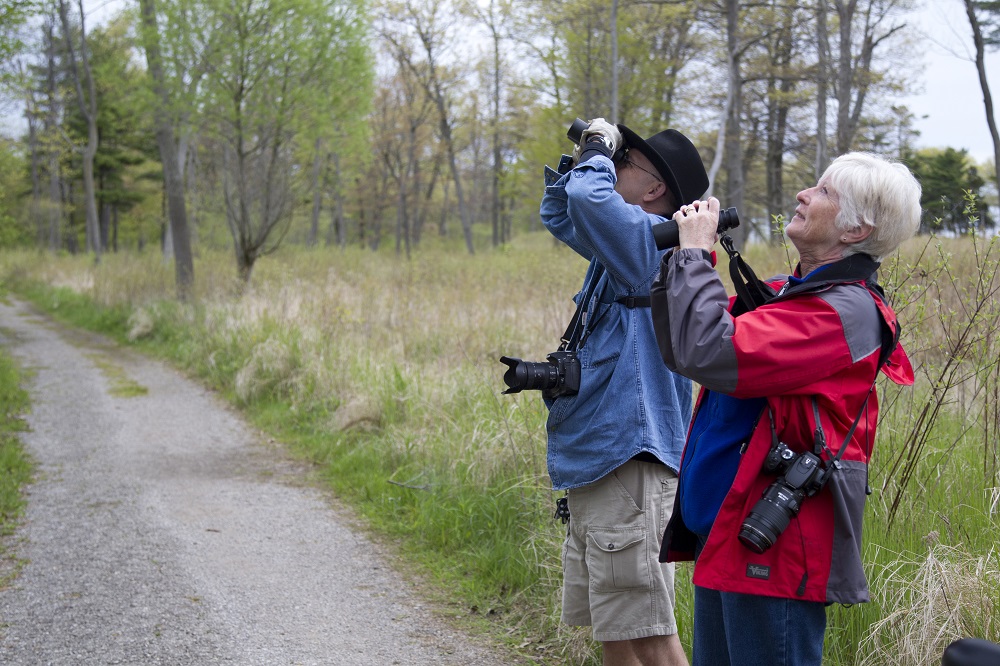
[[289, 63], [16, 467], [988, 15], [946, 177], [13, 14], [13, 232]]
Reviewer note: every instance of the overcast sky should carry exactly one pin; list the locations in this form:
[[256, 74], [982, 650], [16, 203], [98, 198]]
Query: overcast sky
[[949, 108]]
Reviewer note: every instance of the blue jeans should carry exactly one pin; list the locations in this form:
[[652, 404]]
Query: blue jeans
[[732, 629]]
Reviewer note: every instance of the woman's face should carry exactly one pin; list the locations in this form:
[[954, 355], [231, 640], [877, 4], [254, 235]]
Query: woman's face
[[812, 227]]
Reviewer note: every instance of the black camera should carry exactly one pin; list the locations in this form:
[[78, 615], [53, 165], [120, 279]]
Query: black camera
[[666, 235], [559, 377], [803, 475], [575, 134]]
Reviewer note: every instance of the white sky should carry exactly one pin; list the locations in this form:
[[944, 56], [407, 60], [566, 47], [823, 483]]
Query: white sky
[[950, 107]]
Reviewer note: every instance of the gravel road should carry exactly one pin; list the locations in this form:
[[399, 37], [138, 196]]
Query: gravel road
[[162, 530]]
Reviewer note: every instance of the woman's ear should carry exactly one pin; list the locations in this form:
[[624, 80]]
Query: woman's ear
[[858, 234]]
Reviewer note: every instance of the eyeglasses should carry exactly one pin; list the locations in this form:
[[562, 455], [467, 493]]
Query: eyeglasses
[[626, 160]]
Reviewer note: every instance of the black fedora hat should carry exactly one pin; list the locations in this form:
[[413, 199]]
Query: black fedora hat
[[675, 158]]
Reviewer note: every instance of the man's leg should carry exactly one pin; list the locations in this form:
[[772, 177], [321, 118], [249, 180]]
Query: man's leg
[[650, 651], [632, 593]]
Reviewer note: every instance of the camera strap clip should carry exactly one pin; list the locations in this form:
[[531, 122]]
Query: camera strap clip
[[576, 332], [751, 291], [562, 510]]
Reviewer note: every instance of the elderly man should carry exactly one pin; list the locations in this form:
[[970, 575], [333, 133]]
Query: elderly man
[[615, 445]]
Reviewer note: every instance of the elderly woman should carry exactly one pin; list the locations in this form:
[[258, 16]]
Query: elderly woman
[[774, 472]]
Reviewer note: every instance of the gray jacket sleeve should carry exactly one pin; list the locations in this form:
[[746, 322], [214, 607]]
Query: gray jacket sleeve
[[690, 317]]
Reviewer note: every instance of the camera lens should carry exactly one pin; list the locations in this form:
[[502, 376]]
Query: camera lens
[[526, 375], [769, 517], [729, 218], [575, 131]]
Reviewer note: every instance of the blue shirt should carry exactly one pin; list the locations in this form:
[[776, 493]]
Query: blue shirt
[[629, 402]]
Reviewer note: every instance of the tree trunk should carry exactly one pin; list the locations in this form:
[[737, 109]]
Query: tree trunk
[[402, 222], [90, 195], [165, 141], [734, 147], [498, 235], [463, 209], [977, 37], [88, 109], [317, 202], [51, 122], [443, 223], [337, 231], [779, 88], [104, 225], [823, 67], [55, 201], [614, 62], [114, 228], [32, 115]]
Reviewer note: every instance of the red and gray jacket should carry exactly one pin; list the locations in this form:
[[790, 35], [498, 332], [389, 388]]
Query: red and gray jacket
[[820, 339]]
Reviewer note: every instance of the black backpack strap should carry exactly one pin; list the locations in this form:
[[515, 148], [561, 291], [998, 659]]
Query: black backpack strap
[[634, 301]]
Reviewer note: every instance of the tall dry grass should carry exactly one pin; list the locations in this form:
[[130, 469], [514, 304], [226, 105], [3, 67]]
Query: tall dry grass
[[373, 352]]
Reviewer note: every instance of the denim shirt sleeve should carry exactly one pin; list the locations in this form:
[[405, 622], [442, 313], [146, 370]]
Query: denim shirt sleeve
[[584, 211]]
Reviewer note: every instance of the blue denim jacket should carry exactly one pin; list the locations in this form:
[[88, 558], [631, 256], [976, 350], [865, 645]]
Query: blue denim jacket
[[629, 402]]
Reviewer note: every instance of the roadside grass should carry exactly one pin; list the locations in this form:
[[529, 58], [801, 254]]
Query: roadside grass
[[121, 385], [384, 373], [16, 466]]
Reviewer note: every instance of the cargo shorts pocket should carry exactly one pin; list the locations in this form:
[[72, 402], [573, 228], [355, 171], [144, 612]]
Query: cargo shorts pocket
[[617, 560]]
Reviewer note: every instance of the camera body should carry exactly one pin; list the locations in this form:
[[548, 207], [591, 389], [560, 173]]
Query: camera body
[[559, 376], [801, 475]]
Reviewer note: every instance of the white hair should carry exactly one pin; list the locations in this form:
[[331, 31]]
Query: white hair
[[879, 193]]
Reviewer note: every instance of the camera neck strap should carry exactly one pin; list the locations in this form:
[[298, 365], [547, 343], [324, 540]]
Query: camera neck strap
[[819, 437], [751, 291], [576, 332]]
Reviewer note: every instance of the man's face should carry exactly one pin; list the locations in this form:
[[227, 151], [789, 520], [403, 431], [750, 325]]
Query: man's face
[[638, 180]]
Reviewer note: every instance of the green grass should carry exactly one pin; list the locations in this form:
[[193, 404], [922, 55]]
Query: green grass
[[121, 385], [384, 374], [16, 467]]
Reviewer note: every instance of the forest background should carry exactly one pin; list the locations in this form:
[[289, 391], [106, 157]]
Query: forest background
[[386, 158]]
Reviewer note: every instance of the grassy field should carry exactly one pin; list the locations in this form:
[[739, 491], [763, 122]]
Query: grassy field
[[384, 373]]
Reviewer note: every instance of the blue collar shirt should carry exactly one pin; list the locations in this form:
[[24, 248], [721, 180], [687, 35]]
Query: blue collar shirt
[[629, 402]]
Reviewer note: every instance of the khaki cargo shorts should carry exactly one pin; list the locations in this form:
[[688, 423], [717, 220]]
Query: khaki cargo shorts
[[612, 577]]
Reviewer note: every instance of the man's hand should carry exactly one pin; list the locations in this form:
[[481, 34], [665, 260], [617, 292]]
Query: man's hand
[[608, 132]]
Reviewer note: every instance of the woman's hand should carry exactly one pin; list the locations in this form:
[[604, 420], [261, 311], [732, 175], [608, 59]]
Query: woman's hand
[[698, 224]]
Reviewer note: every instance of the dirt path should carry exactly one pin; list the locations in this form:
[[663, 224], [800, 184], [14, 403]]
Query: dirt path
[[161, 530]]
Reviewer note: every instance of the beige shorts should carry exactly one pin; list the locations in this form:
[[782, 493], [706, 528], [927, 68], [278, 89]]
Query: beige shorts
[[612, 577]]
